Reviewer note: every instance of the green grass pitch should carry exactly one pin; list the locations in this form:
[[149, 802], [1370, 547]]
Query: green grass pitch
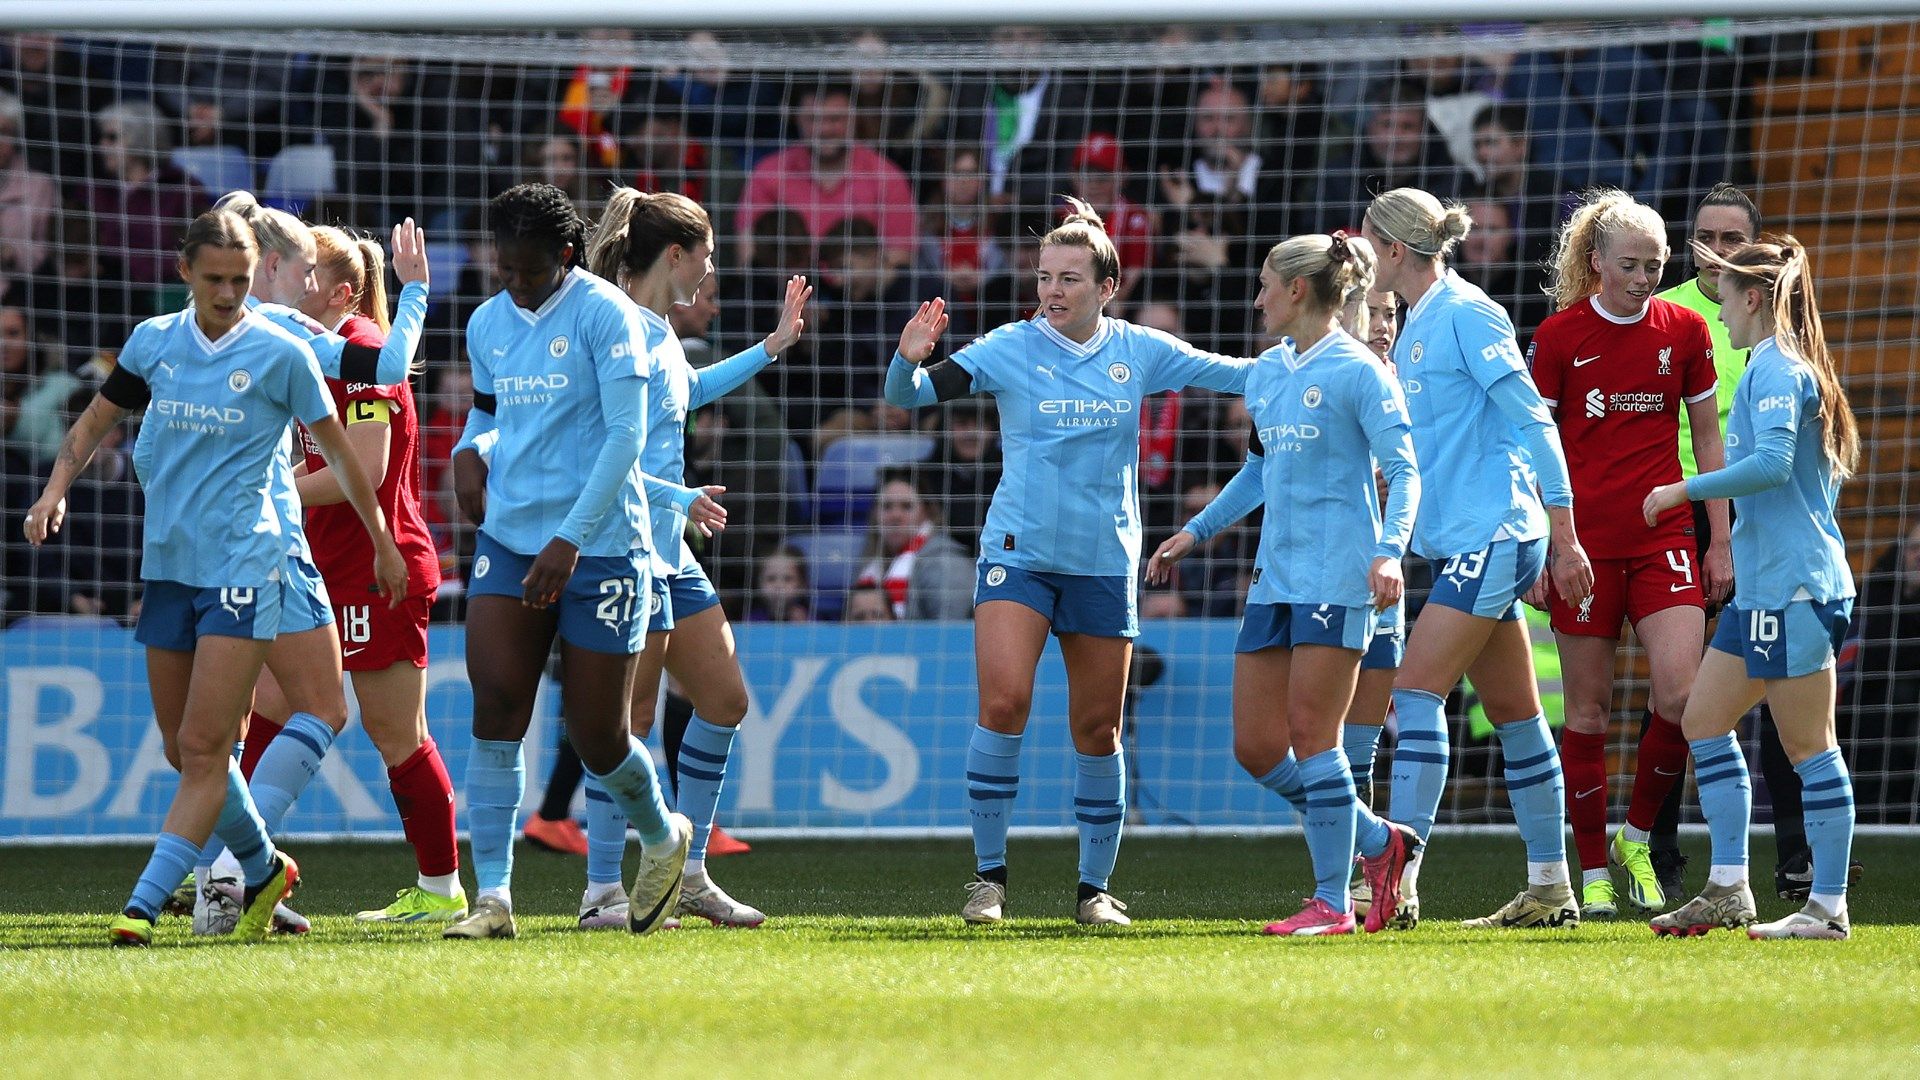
[[865, 969]]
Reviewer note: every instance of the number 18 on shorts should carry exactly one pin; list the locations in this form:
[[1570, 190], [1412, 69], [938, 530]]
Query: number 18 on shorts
[[374, 637]]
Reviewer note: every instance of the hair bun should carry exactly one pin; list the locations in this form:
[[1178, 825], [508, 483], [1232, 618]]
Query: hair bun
[[1339, 251]]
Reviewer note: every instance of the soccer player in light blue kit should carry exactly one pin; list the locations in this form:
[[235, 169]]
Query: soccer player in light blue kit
[[659, 248], [560, 367], [1324, 412], [1791, 440], [302, 676], [1485, 440], [220, 384], [1061, 543]]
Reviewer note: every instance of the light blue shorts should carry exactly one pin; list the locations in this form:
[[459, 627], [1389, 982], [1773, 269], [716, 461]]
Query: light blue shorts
[[688, 593], [1489, 582], [604, 607], [174, 616], [1784, 643], [1389, 645], [1266, 626], [1072, 603], [304, 603]]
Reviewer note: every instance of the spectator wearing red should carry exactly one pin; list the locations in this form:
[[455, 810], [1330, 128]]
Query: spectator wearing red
[[925, 572], [657, 151], [828, 177], [957, 238], [1101, 178], [592, 96]]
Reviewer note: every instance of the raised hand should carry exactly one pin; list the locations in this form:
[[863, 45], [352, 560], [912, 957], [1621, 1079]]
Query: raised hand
[[408, 253], [793, 320], [924, 330]]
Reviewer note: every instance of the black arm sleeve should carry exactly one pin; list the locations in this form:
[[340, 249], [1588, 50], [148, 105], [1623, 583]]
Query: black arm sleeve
[[1253, 440], [486, 403], [950, 380], [127, 390], [360, 364]]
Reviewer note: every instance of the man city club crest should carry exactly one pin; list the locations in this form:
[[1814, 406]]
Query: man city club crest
[[1311, 399], [481, 565], [996, 576], [557, 348], [1419, 351], [1119, 372], [239, 381]]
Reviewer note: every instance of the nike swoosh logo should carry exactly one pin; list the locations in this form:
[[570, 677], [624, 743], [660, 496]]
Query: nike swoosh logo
[[1583, 363], [1658, 771], [1678, 588], [1589, 791], [354, 652]]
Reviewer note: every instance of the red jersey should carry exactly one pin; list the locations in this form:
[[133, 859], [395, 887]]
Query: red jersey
[[1616, 388], [341, 548]]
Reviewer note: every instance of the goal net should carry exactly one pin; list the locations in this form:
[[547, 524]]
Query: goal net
[[891, 168]]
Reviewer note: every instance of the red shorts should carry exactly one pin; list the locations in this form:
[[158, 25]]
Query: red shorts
[[1630, 590], [374, 637]]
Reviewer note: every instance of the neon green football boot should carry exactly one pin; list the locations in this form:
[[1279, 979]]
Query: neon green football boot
[[130, 930], [415, 904], [1643, 883], [256, 917], [1598, 900]]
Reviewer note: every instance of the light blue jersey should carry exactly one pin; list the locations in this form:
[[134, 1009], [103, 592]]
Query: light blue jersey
[[1068, 499], [212, 443], [674, 390], [1322, 419], [329, 348], [1483, 435], [568, 384], [1786, 544]]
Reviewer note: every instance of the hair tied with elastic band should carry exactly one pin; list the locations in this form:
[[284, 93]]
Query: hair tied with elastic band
[[1339, 251]]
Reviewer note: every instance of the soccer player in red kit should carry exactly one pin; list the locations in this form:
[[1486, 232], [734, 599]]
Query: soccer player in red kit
[[384, 651], [1617, 365]]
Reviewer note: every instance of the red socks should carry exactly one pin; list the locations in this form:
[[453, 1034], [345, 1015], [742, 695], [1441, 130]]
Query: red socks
[[1663, 761], [1583, 760], [424, 795], [260, 732]]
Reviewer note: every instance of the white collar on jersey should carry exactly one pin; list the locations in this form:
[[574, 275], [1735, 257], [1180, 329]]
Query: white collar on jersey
[[215, 347], [1619, 320], [1441, 283], [566, 283], [1093, 344], [1297, 360]]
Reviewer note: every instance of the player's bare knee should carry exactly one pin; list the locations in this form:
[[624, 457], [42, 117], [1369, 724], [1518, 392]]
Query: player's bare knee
[[727, 708], [1005, 713], [1258, 755], [1668, 704], [1586, 718]]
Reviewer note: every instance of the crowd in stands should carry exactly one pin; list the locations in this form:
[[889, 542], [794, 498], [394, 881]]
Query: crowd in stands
[[887, 188]]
